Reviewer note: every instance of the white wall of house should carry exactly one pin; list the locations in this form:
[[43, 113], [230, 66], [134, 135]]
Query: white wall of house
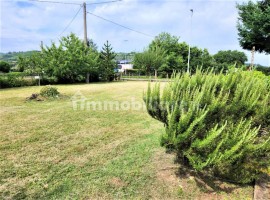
[[124, 67]]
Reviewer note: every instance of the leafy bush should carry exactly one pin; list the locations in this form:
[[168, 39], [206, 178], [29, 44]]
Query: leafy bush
[[15, 79], [4, 66], [49, 91], [216, 123]]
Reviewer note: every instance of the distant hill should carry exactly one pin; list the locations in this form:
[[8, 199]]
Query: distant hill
[[12, 57], [125, 56]]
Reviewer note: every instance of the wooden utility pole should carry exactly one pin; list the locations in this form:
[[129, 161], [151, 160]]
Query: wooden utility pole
[[85, 36], [84, 24], [252, 58]]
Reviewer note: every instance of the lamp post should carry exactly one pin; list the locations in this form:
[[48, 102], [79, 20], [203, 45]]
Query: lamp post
[[191, 10], [125, 53]]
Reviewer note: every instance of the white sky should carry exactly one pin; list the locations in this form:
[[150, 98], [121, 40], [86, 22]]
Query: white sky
[[25, 23]]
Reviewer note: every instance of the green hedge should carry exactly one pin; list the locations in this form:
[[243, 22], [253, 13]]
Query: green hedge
[[216, 123], [16, 79]]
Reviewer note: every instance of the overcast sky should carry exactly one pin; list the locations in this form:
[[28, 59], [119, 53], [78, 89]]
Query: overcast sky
[[25, 23]]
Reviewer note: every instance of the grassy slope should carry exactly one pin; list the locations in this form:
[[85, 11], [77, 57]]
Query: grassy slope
[[50, 151]]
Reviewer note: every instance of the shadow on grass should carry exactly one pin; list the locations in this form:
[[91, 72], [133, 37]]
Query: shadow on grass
[[205, 181]]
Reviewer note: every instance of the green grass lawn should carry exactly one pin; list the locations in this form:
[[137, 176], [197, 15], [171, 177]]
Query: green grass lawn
[[50, 151]]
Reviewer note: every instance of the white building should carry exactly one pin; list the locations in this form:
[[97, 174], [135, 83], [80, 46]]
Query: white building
[[124, 65]]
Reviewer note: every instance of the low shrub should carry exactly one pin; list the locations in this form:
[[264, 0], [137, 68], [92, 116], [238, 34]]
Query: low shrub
[[15, 79], [49, 92], [216, 123], [4, 66]]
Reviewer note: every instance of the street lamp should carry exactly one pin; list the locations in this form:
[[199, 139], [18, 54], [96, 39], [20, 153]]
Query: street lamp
[[125, 53], [191, 10]]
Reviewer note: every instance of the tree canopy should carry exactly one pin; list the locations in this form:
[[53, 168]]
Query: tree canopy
[[229, 57], [150, 60], [4, 66], [175, 56], [254, 25], [70, 61]]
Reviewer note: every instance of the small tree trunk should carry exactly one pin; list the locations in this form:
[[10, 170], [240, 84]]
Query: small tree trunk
[[87, 77], [155, 74]]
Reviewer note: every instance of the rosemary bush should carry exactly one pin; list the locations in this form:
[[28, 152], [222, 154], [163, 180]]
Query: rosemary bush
[[216, 123]]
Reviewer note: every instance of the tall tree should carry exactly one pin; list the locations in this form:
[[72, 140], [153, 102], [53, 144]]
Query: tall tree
[[177, 54], [69, 62], [230, 58], [150, 60], [107, 62], [165, 41], [254, 25]]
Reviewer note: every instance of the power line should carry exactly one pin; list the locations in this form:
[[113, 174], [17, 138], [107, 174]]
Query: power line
[[58, 2], [73, 3], [104, 2], [70, 21], [145, 34]]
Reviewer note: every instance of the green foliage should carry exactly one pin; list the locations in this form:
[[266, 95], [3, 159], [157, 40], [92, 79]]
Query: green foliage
[[150, 60], [71, 61], [49, 91], [226, 58], [4, 66], [265, 70], [107, 62], [33, 65], [91, 66], [166, 41], [176, 54], [217, 123], [66, 62], [254, 25], [16, 79]]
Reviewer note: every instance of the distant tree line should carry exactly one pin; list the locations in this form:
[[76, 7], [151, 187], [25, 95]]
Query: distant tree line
[[72, 61], [165, 55]]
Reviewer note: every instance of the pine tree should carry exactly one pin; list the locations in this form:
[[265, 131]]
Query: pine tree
[[107, 62]]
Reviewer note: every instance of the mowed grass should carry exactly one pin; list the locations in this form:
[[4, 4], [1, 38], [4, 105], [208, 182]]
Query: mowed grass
[[50, 151]]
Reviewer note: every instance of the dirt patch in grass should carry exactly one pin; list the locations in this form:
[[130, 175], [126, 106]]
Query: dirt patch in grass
[[116, 182], [166, 170]]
